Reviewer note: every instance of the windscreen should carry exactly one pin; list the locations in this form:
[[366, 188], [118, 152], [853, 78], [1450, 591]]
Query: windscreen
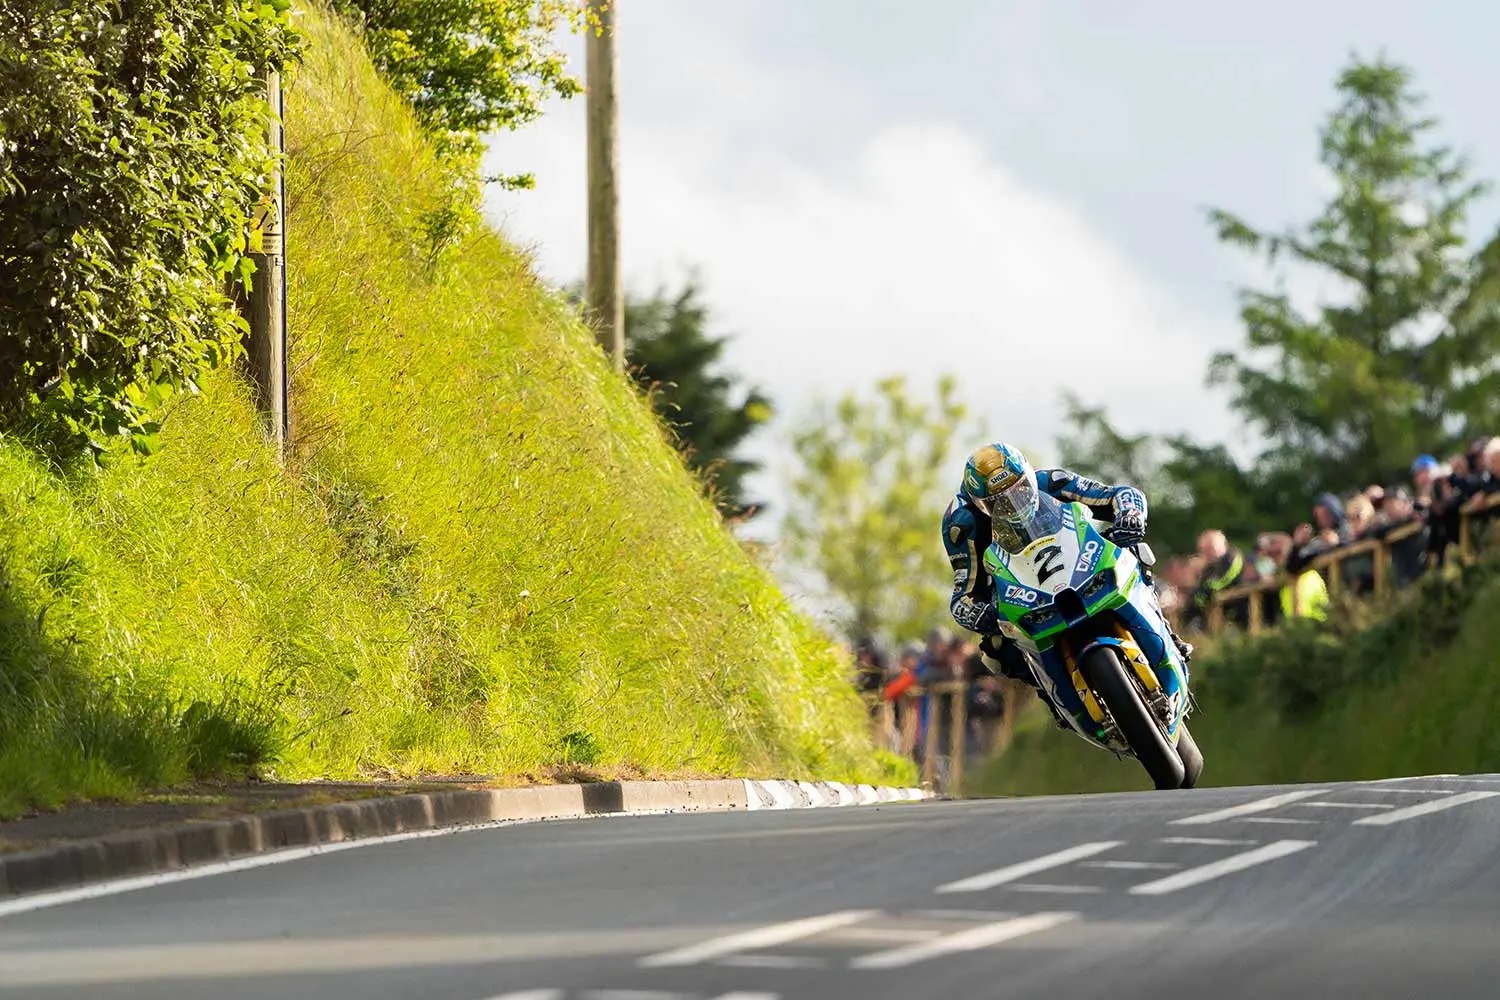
[[1045, 522]]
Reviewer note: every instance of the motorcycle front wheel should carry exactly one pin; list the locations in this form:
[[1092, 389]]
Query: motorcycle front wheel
[[1104, 672]]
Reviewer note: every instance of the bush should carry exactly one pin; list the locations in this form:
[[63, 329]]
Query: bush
[[131, 159], [1301, 667]]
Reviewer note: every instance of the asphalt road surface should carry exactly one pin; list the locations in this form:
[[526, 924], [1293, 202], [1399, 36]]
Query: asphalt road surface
[[1371, 890]]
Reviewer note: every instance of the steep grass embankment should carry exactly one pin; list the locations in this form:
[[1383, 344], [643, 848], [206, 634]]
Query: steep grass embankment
[[483, 557], [1414, 692]]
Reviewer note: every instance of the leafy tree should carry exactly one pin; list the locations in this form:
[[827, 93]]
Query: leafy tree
[[1406, 361], [1189, 486], [867, 504], [132, 155], [469, 67], [675, 360]]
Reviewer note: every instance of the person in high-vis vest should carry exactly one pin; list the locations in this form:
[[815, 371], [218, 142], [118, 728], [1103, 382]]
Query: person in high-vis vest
[[1306, 595], [1223, 567]]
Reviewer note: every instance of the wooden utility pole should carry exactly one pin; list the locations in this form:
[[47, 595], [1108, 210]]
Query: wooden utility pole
[[604, 297], [265, 307]]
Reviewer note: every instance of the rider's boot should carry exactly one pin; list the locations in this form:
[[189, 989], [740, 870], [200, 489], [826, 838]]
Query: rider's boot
[[1183, 646]]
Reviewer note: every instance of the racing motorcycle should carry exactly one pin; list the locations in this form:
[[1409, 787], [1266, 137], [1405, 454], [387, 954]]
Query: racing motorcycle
[[1082, 610]]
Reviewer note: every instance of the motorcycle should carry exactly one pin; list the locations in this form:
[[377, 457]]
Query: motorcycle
[[1083, 611]]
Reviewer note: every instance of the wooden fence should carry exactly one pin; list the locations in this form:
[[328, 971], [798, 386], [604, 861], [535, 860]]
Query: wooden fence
[[948, 723], [1332, 565]]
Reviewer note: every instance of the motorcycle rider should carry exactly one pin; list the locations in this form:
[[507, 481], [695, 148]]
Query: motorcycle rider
[[1000, 488]]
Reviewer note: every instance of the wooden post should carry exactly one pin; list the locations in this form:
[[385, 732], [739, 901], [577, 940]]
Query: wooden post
[[1215, 615], [1382, 569], [265, 305], [1335, 577], [1255, 612], [930, 737], [604, 298], [958, 738]]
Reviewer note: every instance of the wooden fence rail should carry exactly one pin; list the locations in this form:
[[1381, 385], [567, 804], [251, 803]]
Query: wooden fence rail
[[1332, 566]]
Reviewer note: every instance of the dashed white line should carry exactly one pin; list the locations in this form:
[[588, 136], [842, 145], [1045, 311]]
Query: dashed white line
[[744, 995], [760, 937], [1377, 806], [1208, 841], [1131, 865], [629, 995], [1012, 873], [1048, 887], [532, 995], [970, 940], [1424, 809], [1250, 808], [1408, 791], [1225, 866], [772, 962], [1282, 821]]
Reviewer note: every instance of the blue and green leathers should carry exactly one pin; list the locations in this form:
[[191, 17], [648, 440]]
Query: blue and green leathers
[[968, 528]]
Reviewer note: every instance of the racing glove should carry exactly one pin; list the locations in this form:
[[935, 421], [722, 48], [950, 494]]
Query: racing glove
[[1129, 528]]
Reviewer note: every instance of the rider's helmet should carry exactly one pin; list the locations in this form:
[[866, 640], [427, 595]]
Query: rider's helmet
[[1001, 483]]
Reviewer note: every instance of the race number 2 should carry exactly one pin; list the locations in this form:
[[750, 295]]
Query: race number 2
[[1048, 562]]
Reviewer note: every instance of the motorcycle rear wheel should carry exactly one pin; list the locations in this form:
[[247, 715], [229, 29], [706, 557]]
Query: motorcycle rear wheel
[[1105, 673]]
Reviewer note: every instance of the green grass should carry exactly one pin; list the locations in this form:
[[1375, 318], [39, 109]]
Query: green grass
[[1423, 708], [483, 557]]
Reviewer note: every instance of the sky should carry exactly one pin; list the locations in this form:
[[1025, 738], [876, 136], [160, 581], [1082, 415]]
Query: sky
[[1011, 191]]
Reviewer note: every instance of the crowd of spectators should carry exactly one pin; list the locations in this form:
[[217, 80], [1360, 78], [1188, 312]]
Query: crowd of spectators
[[894, 677], [1419, 523]]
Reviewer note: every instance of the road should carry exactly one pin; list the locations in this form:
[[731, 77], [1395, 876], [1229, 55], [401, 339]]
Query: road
[[1388, 889]]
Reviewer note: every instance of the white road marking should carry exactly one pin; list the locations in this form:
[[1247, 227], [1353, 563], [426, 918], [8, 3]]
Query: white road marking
[[760, 937], [629, 995], [1047, 887], [1424, 808], [1250, 808], [1217, 869], [772, 962], [1408, 791], [961, 914], [885, 934], [1377, 806], [970, 940], [532, 995], [1131, 865], [1209, 841], [1011, 873], [744, 995], [1283, 820]]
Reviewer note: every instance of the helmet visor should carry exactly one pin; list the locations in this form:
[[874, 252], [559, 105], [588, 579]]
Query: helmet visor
[[1014, 503]]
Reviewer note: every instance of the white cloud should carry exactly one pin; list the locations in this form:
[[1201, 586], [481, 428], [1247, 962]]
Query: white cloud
[[921, 254]]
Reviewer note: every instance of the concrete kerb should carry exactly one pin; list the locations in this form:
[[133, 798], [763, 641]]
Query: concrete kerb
[[168, 848]]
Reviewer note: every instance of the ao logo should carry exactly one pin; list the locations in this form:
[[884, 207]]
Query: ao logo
[[1086, 558], [1014, 593]]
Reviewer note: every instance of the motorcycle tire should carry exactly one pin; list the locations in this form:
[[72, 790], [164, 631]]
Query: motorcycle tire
[[1192, 757], [1104, 672]]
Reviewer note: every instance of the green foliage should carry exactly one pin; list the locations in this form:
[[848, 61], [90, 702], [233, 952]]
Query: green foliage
[[1189, 486], [483, 556], [674, 359], [867, 503], [469, 67], [132, 154], [1406, 360]]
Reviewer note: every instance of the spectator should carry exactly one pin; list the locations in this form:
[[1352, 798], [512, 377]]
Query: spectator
[[1223, 566], [870, 664], [1359, 515], [1425, 472], [1331, 531], [1408, 555], [1305, 596]]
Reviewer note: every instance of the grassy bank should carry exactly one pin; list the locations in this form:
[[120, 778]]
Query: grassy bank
[[484, 555], [1415, 692]]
